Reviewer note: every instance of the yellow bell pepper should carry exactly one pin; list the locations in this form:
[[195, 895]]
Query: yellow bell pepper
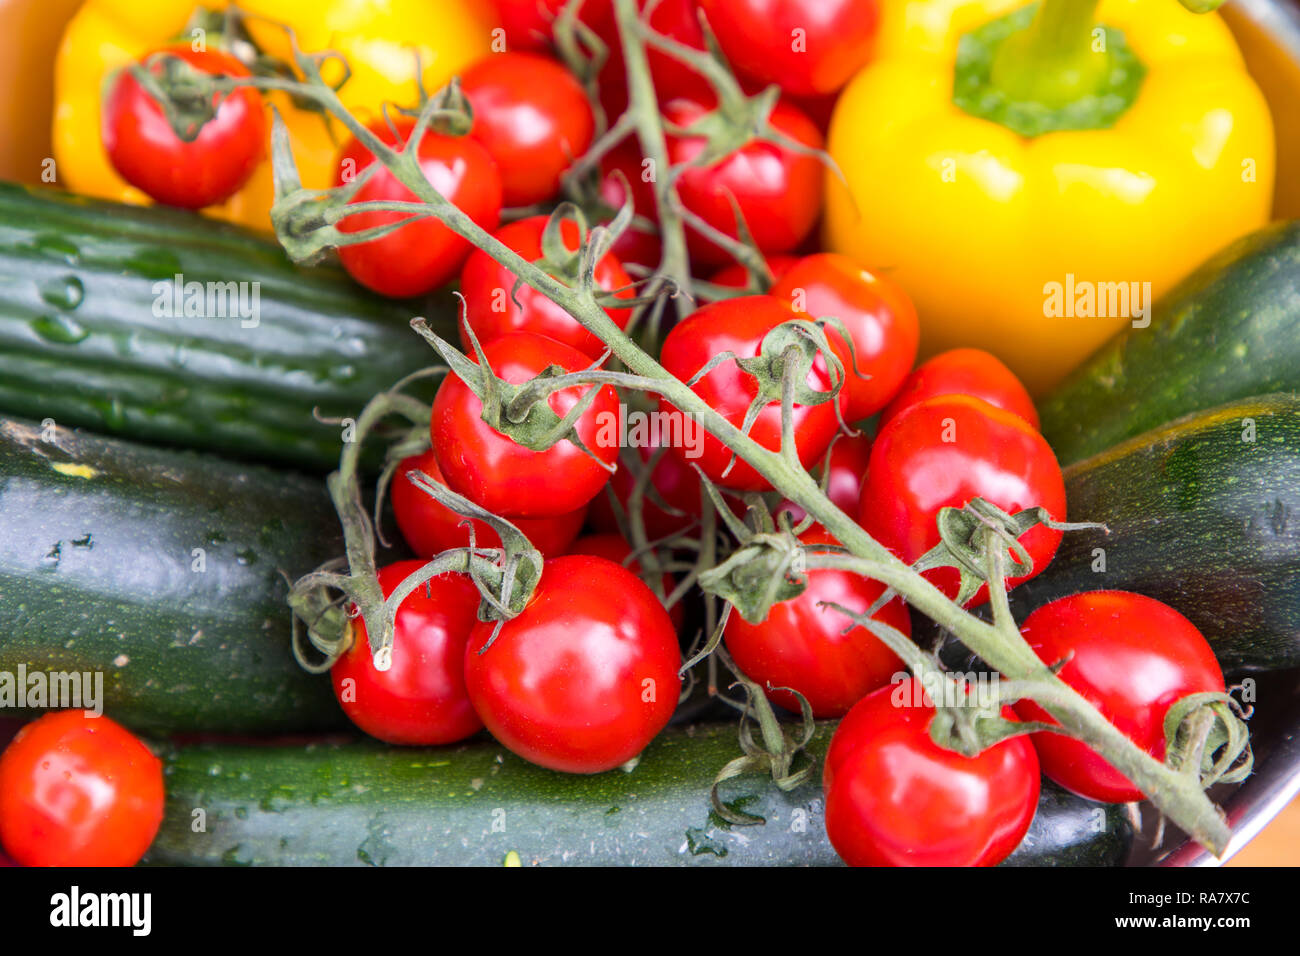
[[1018, 242], [379, 38]]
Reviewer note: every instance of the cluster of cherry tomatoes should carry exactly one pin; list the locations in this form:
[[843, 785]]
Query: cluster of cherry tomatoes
[[587, 674]]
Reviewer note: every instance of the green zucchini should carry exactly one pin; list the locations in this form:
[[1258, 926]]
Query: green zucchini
[[1228, 331], [164, 571], [1204, 515], [82, 340], [342, 804]]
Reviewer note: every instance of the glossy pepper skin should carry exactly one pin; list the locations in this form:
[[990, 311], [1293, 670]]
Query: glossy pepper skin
[[377, 37], [976, 220]]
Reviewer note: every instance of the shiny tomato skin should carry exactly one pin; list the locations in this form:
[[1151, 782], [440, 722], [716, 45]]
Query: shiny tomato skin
[[424, 254], [878, 315], [491, 310], [896, 798], [505, 478], [78, 791], [532, 115], [614, 547], [149, 155], [1132, 657], [421, 699], [778, 191], [429, 527], [738, 326], [964, 372], [915, 470], [801, 645], [586, 676], [758, 38]]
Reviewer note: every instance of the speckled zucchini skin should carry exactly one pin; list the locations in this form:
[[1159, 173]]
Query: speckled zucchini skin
[[474, 804], [1228, 331], [164, 570], [81, 341], [1200, 518]]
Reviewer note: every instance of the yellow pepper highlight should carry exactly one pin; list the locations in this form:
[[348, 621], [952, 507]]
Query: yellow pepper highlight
[[986, 229], [379, 38]]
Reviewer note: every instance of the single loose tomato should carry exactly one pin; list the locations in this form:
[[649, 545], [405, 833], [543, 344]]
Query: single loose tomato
[[738, 326], [778, 191], [808, 47], [896, 798], [490, 294], [421, 699], [942, 453], [585, 676], [430, 527], [614, 547], [423, 254], [802, 644], [148, 154], [1132, 658], [78, 790], [506, 478], [878, 316], [532, 115], [964, 372]]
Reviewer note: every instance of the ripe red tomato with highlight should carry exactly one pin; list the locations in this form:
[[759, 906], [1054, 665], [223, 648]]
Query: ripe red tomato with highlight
[[878, 315], [896, 798], [1132, 657], [423, 254], [808, 47], [942, 453], [738, 326], [777, 190], [506, 478], [964, 372], [421, 699], [490, 307], [586, 676], [147, 153], [802, 645], [78, 791], [532, 115], [429, 527], [614, 547]]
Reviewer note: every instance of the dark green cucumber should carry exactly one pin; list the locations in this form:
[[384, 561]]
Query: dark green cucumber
[[1228, 331], [474, 804], [164, 571], [81, 341], [1201, 519]]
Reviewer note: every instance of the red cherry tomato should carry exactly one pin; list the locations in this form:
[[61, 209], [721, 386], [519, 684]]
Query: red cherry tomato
[[421, 699], [490, 307], [78, 791], [145, 150], [736, 276], [942, 453], [778, 191], [1132, 658], [614, 547], [506, 478], [528, 23], [802, 645], [532, 115], [880, 319], [964, 372], [423, 254], [849, 458], [586, 676], [738, 326], [896, 798], [809, 47], [430, 528]]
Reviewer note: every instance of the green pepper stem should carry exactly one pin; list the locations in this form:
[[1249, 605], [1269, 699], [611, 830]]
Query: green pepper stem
[[1053, 61]]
